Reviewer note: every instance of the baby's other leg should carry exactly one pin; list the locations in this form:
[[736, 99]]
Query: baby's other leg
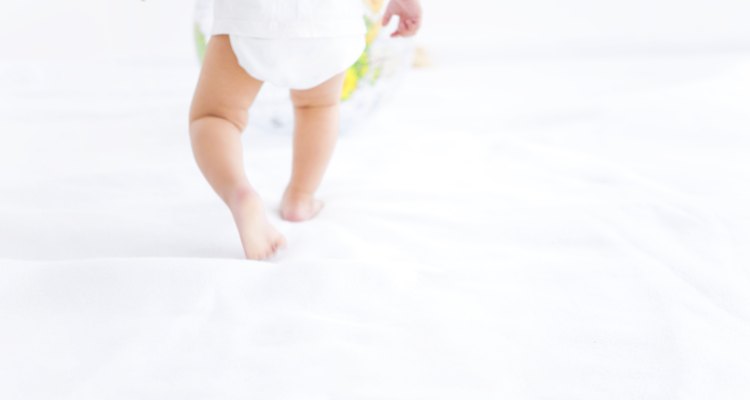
[[218, 116], [316, 127]]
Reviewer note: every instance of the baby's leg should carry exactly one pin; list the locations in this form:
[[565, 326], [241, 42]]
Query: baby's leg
[[218, 116], [316, 127]]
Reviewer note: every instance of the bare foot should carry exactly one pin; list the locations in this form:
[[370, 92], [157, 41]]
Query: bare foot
[[260, 239], [298, 207]]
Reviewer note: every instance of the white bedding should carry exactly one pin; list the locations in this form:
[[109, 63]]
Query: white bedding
[[564, 228]]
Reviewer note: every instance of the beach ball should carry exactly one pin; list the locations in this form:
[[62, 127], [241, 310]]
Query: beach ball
[[368, 82]]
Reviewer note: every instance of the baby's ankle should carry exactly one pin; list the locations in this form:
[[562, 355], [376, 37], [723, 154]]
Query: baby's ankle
[[240, 195], [298, 194]]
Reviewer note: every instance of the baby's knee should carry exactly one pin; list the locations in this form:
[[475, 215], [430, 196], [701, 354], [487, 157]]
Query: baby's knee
[[306, 102], [236, 117]]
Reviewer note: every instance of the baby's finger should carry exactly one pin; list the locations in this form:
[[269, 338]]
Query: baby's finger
[[387, 17], [408, 28], [411, 27]]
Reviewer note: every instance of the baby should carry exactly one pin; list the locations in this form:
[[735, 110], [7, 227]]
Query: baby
[[303, 45]]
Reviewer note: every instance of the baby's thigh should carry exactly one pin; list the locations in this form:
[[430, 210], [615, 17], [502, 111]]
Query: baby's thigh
[[327, 93], [224, 89]]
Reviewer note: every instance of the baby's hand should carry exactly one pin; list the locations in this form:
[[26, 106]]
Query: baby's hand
[[409, 13]]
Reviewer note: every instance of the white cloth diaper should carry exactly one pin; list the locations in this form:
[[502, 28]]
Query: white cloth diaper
[[297, 63]]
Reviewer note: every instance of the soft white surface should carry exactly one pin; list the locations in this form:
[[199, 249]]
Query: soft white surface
[[549, 228], [539, 229]]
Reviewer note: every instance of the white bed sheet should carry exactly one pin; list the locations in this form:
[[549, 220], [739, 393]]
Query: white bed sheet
[[569, 228]]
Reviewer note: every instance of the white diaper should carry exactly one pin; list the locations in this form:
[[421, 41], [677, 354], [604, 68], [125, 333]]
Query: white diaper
[[296, 44], [297, 62], [289, 18]]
